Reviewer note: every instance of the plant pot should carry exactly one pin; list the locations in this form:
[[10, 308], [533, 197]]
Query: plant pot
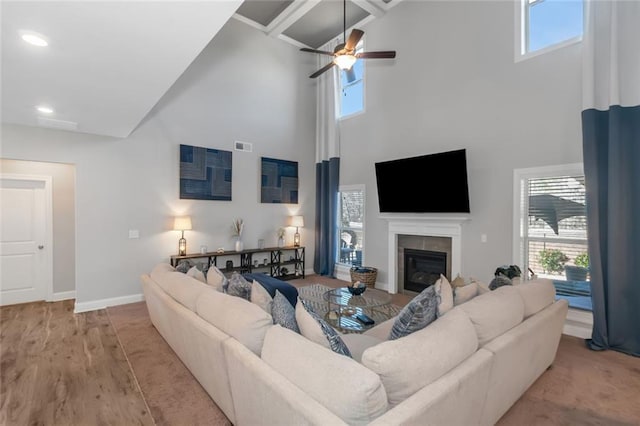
[[575, 273], [239, 245]]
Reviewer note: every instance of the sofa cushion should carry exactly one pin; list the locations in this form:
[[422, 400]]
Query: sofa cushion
[[358, 343], [216, 279], [318, 330], [345, 387], [495, 312], [272, 284], [181, 287], [283, 313], [444, 291], [465, 293], [196, 273], [536, 295], [407, 365], [236, 317], [239, 287], [261, 297], [416, 315]]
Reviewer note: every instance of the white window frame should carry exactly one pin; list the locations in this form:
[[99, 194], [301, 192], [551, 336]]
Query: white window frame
[[359, 48], [521, 35], [521, 207], [342, 270]]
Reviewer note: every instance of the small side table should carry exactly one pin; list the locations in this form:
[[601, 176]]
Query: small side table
[[374, 303]]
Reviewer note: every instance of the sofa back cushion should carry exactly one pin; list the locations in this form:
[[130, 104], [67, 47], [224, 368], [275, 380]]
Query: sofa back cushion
[[495, 312], [536, 295], [345, 387], [181, 287], [237, 317], [408, 364], [158, 271]]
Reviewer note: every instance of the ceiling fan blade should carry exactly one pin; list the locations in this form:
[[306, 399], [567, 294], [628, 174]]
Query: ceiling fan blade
[[322, 52], [377, 55], [323, 69], [353, 39], [350, 74]]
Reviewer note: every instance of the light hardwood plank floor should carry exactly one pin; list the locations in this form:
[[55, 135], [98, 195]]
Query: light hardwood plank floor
[[61, 368]]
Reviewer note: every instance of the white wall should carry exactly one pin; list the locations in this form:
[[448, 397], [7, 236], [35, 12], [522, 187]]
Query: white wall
[[244, 86], [64, 217], [454, 84]]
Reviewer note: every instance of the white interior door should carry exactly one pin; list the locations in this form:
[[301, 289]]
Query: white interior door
[[25, 239]]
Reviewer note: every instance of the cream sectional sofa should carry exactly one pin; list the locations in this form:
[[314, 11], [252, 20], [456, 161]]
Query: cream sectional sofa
[[468, 367]]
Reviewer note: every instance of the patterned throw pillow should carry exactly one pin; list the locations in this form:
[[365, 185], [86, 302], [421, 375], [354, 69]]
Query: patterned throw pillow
[[184, 266], [284, 313], [217, 280], [499, 281], [239, 287], [336, 343], [417, 314]]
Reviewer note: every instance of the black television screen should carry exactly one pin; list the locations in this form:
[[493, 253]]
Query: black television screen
[[434, 183]]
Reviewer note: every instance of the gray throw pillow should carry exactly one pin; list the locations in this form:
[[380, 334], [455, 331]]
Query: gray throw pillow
[[417, 314], [335, 341], [183, 266], [499, 281], [283, 312], [239, 287]]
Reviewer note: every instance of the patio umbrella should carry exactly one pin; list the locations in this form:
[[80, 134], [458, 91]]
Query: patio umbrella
[[552, 209]]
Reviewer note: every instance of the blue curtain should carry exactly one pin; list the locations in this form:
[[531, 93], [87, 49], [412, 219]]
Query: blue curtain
[[326, 247], [611, 144], [327, 170]]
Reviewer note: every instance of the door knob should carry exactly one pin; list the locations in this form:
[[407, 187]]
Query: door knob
[[40, 247]]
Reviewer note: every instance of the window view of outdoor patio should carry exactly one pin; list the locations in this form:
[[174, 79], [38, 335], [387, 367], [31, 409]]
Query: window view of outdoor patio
[[556, 236]]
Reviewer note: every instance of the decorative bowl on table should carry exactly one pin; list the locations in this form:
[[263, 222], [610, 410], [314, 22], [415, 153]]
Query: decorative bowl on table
[[357, 288]]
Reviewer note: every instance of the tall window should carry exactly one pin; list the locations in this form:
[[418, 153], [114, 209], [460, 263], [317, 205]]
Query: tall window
[[551, 229], [351, 225], [352, 88], [548, 24]]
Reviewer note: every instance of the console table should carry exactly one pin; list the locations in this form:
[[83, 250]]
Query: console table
[[284, 263]]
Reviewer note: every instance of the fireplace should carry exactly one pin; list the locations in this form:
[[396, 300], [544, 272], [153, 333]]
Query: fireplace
[[422, 268]]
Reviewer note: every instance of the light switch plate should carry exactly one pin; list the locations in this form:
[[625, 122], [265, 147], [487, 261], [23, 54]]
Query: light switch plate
[[134, 233]]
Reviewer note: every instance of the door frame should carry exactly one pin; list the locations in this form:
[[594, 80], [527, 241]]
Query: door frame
[[48, 232]]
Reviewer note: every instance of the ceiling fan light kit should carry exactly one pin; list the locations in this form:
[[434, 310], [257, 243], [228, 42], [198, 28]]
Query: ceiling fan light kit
[[345, 62], [344, 55]]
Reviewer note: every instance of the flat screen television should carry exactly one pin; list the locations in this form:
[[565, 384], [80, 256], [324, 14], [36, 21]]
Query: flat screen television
[[433, 183]]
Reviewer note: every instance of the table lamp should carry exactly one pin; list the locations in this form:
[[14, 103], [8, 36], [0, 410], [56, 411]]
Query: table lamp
[[182, 223], [298, 222]]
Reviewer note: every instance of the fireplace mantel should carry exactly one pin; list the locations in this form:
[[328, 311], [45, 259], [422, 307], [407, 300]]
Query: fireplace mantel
[[428, 226]]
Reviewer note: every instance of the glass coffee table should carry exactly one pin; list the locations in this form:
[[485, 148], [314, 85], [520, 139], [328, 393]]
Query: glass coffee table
[[342, 308]]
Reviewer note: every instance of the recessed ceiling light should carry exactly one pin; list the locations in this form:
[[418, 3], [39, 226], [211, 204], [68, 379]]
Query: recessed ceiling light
[[34, 38], [44, 109]]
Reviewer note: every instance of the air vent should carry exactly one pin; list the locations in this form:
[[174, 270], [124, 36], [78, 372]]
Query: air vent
[[244, 146]]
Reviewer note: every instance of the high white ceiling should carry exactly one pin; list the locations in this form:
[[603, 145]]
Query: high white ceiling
[[108, 63]]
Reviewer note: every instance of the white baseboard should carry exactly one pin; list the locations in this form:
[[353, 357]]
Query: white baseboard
[[63, 295], [103, 303]]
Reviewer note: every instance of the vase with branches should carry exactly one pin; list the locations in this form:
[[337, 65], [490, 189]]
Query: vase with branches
[[280, 232], [237, 227]]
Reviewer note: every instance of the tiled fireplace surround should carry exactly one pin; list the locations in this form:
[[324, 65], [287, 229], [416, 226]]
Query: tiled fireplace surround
[[423, 232]]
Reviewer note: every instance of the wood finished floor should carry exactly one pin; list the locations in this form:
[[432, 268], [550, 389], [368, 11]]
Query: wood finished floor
[[61, 368]]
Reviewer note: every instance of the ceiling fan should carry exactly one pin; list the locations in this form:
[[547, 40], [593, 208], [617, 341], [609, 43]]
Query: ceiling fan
[[344, 54]]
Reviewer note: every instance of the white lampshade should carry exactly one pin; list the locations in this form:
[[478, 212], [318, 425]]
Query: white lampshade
[[182, 223], [345, 62], [297, 221]]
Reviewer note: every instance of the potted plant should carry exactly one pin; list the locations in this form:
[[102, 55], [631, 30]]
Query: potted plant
[[579, 270], [553, 260], [280, 233], [236, 229]]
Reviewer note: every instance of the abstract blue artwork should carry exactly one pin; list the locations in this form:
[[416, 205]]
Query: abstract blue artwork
[[205, 173], [279, 181]]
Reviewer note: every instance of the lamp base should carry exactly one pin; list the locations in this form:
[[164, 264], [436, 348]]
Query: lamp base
[[182, 247], [296, 240]]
